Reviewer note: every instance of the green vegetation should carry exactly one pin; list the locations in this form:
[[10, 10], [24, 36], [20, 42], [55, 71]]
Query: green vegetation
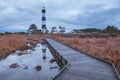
[[91, 30], [54, 30], [112, 30], [60, 30], [32, 29]]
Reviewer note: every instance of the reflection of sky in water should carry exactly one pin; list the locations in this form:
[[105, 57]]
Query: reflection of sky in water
[[36, 58]]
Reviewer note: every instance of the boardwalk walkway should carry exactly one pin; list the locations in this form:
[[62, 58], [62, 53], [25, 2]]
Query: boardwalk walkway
[[82, 66]]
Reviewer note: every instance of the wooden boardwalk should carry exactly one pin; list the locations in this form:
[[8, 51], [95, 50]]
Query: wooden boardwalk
[[82, 66]]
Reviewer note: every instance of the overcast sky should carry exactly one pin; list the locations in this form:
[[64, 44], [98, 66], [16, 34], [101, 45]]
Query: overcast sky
[[17, 15]]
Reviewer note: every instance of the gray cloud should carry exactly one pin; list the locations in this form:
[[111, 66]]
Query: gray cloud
[[69, 13], [101, 18]]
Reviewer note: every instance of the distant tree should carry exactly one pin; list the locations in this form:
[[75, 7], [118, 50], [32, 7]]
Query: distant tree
[[32, 29], [1, 34], [39, 31], [53, 30], [90, 30], [47, 31], [61, 29], [76, 31], [111, 30], [20, 33], [7, 33]]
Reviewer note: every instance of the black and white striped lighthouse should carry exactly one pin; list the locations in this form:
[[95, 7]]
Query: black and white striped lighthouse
[[44, 29]]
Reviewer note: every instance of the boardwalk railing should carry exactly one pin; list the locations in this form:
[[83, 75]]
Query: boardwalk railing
[[116, 71], [63, 61]]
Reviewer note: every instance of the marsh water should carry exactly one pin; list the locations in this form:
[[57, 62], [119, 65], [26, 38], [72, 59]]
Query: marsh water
[[35, 65]]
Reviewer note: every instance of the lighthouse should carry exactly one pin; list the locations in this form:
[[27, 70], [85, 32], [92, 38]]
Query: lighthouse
[[44, 29]]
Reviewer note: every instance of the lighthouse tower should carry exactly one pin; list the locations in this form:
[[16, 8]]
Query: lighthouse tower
[[44, 29]]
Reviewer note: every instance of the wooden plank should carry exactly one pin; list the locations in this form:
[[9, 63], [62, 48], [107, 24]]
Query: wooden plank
[[91, 65], [93, 69]]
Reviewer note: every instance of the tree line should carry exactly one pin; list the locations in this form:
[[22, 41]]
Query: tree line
[[113, 30], [54, 30], [109, 29]]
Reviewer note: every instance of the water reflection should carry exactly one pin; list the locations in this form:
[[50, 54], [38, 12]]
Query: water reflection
[[36, 64], [44, 52], [44, 57]]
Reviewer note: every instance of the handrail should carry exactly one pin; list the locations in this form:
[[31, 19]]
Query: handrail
[[61, 71], [116, 71], [62, 68]]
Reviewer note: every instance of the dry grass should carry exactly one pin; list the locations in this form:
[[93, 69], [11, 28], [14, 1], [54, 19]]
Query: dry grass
[[104, 48], [39, 37], [9, 43]]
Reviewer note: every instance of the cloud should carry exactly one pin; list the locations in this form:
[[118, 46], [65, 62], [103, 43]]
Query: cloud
[[69, 13], [97, 15], [100, 18]]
